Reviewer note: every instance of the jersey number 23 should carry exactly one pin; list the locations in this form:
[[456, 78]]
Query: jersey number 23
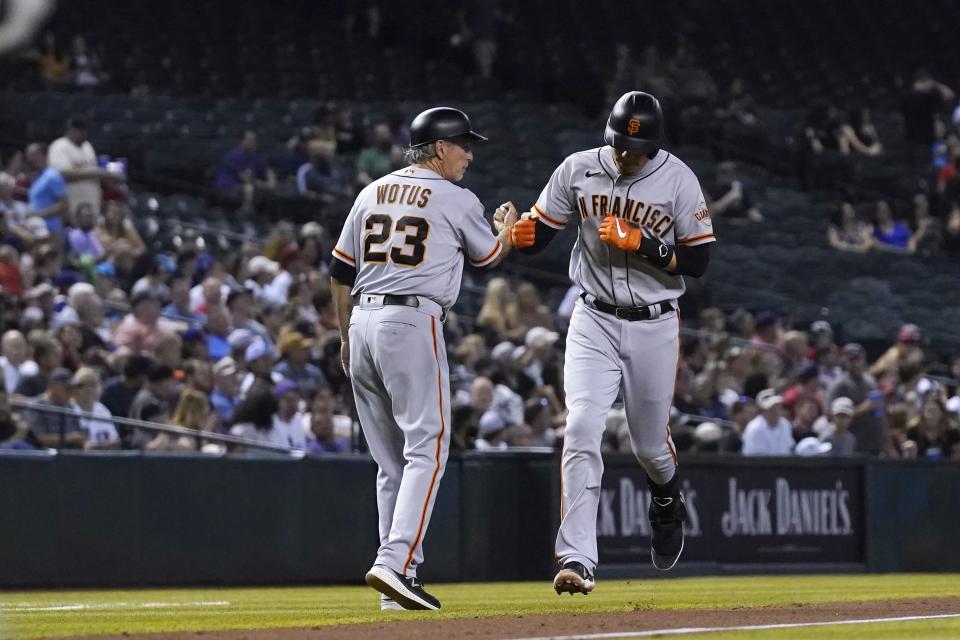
[[379, 227]]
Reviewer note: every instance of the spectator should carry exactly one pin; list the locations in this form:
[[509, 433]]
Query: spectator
[[742, 412], [769, 434], [13, 211], [493, 313], [320, 178], [83, 239], [54, 64], [291, 265], [85, 66], [226, 388], [193, 412], [212, 292], [922, 102], [294, 362], [847, 232], [889, 234], [217, 330], [527, 312], [538, 417], [806, 414], [824, 122], [491, 429], [142, 328], [379, 158], [241, 306], [930, 434], [198, 375], [99, 429], [154, 280], [15, 360], [807, 388], [346, 130], [49, 191], [119, 392], [160, 388], [74, 157], [56, 430], [117, 235], [253, 418], [538, 360], [14, 432], [842, 442], [261, 270], [322, 425], [66, 329], [179, 307], [867, 424], [259, 357], [169, 350], [288, 424], [244, 173], [731, 201], [906, 349], [49, 357], [858, 135]]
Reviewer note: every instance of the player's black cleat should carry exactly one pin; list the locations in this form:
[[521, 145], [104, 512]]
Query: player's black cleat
[[666, 525], [574, 578], [405, 591]]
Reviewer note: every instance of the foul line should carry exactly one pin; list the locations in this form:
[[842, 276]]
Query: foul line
[[683, 631], [26, 607]]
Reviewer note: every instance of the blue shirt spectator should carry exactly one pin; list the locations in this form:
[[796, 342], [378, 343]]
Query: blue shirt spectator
[[242, 165], [890, 233], [48, 198]]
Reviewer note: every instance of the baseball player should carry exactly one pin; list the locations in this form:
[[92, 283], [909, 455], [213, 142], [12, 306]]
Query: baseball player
[[399, 261], [643, 225]]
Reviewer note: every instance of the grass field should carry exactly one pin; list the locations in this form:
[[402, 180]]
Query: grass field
[[70, 613]]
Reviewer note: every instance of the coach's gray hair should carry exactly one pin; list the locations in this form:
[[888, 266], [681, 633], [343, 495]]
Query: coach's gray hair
[[421, 154]]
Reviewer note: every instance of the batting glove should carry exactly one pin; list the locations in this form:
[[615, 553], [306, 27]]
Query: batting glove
[[620, 234], [523, 234]]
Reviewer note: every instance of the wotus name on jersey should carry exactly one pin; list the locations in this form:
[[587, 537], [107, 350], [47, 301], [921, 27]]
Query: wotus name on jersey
[[640, 213]]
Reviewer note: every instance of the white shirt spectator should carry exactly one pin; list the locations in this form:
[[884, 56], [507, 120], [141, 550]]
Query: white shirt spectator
[[101, 429], [277, 291], [763, 439], [283, 434], [64, 155], [13, 373], [293, 428], [196, 295]]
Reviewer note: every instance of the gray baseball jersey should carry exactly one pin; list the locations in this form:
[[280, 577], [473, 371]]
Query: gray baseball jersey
[[607, 356], [407, 234], [664, 197]]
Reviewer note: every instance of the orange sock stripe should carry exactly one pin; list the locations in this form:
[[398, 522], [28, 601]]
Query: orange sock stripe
[[436, 468]]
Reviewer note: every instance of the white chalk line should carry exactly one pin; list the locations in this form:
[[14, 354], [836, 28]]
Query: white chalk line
[[17, 607], [753, 627]]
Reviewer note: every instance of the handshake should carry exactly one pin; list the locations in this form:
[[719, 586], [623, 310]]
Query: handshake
[[521, 230]]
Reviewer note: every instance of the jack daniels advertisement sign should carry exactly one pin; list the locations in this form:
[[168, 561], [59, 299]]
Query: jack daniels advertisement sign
[[748, 514]]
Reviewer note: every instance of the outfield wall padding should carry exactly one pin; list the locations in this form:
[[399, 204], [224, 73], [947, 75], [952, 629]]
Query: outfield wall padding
[[127, 518]]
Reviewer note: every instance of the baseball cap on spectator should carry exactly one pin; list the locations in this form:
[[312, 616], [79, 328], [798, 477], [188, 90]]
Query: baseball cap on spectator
[[841, 406], [909, 333], [287, 255], [311, 229], [766, 319], [853, 350], [284, 387], [293, 340], [225, 367], [260, 265], [490, 422], [40, 290], [61, 376], [811, 446], [65, 317], [258, 349], [518, 352], [807, 372], [37, 226], [538, 336], [159, 372], [707, 433], [821, 326], [502, 351], [106, 270], [240, 339], [768, 399]]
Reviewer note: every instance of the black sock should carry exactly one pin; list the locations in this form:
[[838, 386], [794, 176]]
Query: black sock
[[667, 490]]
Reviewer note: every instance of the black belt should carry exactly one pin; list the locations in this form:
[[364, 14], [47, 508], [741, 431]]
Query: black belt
[[389, 299], [629, 313]]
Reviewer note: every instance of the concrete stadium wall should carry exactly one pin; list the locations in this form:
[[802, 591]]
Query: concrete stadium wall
[[126, 518]]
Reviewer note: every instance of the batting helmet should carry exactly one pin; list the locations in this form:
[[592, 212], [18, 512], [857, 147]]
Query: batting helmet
[[635, 124], [441, 123]]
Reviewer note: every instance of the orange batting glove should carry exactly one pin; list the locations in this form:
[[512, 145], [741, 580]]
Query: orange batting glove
[[620, 234], [523, 233]]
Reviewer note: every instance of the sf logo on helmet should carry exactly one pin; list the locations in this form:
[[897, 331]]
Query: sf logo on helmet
[[633, 126]]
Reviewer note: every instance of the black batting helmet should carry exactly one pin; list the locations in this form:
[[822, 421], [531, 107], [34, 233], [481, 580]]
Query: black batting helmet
[[441, 123], [635, 124]]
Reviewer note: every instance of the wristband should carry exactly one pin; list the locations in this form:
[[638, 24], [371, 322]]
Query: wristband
[[654, 250]]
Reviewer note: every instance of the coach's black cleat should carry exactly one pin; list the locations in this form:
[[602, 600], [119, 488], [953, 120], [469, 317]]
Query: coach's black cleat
[[407, 592], [667, 515], [574, 578]]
